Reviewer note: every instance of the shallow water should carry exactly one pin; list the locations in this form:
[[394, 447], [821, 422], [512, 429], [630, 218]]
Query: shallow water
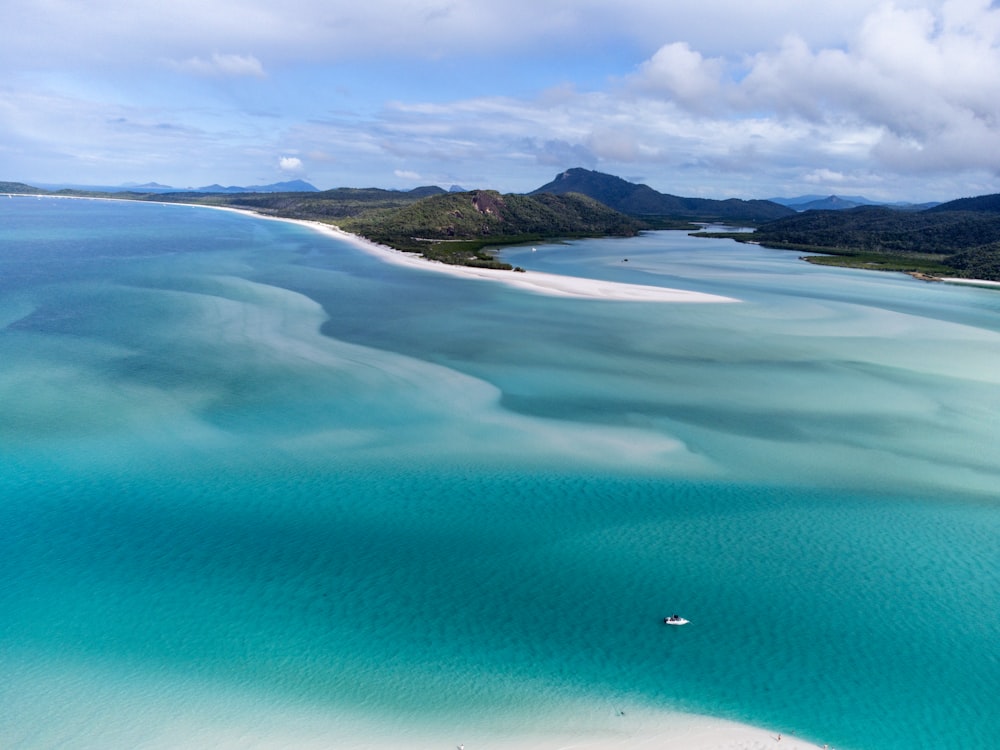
[[251, 473]]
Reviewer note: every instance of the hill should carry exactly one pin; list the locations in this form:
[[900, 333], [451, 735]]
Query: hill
[[982, 203], [643, 202], [19, 188], [457, 227], [960, 238]]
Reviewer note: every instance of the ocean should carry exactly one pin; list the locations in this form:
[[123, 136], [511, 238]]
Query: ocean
[[259, 488]]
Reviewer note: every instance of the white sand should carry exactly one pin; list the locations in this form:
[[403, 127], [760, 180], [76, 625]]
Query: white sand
[[971, 282], [654, 731], [532, 281]]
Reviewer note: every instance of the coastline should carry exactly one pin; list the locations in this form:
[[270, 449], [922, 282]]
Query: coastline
[[550, 284], [538, 282], [971, 282]]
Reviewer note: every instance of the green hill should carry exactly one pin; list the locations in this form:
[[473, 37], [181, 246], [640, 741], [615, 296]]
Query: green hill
[[19, 188], [644, 202], [960, 238], [984, 203], [456, 227]]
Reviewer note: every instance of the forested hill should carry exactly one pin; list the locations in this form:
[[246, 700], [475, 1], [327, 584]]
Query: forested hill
[[455, 227], [987, 203], [644, 202], [19, 188], [959, 238]]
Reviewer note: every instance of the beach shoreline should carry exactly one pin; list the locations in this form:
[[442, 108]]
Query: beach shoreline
[[538, 282], [553, 285]]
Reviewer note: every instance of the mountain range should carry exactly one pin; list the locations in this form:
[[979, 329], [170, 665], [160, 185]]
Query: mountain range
[[843, 203]]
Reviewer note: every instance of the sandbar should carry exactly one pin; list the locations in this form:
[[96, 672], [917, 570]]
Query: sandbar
[[538, 282], [971, 282], [555, 285]]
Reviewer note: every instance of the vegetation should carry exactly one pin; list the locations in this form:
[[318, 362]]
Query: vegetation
[[460, 227], [19, 188], [961, 238]]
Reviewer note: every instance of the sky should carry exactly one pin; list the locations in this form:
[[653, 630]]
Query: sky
[[712, 98]]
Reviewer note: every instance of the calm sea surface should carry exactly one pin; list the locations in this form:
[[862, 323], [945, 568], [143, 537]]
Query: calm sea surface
[[249, 472]]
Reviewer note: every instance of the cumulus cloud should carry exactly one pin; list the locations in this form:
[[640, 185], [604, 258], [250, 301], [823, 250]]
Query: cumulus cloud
[[775, 91], [222, 65], [682, 74], [291, 164], [916, 89]]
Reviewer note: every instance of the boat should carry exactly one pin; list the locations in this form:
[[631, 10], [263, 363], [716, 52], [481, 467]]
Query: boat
[[675, 620]]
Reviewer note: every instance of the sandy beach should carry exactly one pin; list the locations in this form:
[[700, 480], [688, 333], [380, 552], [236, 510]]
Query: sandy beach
[[532, 281], [971, 282]]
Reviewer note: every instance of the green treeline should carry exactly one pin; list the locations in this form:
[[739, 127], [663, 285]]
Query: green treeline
[[953, 238]]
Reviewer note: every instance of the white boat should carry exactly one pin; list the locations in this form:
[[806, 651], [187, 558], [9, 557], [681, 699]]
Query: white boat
[[675, 620]]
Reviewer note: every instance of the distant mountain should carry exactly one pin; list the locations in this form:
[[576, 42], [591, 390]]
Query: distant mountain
[[19, 188], [842, 203], [830, 203], [146, 186], [803, 200], [156, 188], [292, 186], [644, 202]]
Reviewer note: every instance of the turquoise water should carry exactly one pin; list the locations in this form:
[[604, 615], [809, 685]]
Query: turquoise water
[[249, 471]]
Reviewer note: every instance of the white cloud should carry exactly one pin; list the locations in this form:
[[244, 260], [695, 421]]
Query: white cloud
[[771, 92], [682, 74], [318, 30], [222, 65], [291, 164]]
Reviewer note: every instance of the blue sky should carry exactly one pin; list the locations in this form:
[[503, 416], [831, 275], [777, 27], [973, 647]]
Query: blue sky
[[715, 98]]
